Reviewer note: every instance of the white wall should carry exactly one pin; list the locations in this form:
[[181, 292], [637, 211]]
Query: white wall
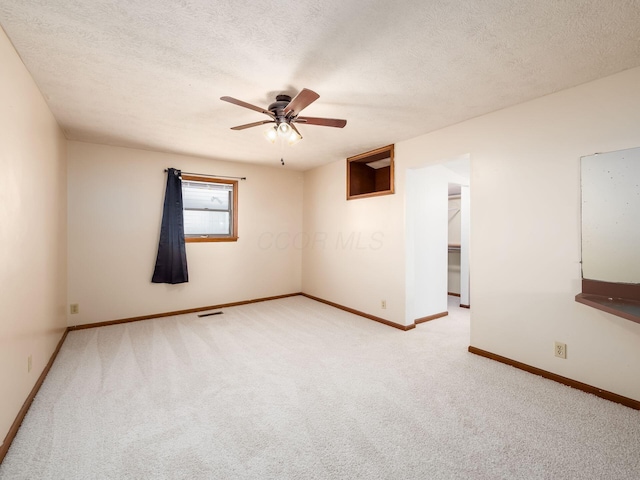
[[465, 243], [115, 209], [354, 245], [33, 259], [427, 238], [525, 230]]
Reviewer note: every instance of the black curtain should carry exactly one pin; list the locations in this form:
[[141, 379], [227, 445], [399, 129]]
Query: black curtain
[[171, 262]]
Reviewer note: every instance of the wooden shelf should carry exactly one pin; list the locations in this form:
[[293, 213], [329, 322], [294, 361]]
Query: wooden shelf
[[370, 174], [620, 307], [620, 299]]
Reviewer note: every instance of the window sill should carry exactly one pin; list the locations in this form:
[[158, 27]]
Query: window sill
[[370, 194], [210, 239]]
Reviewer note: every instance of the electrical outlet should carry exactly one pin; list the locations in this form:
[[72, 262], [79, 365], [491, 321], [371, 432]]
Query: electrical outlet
[[561, 350], [383, 304], [29, 363], [74, 308]]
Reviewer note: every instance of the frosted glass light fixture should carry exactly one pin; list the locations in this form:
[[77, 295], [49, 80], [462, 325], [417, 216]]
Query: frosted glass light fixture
[[283, 129], [271, 134], [293, 138]]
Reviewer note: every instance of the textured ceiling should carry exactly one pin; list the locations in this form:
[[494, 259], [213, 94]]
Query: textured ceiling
[[149, 74]]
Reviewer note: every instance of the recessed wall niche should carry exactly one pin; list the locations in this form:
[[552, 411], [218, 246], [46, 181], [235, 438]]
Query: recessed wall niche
[[370, 174]]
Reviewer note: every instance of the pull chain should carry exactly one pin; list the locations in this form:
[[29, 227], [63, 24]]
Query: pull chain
[[281, 140]]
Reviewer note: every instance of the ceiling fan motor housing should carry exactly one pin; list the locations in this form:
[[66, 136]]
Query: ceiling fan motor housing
[[277, 108]]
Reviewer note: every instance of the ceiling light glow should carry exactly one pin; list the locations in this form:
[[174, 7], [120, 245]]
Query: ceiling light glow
[[284, 129], [293, 138], [271, 134]]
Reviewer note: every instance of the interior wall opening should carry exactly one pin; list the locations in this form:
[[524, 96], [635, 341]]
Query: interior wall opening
[[427, 234]]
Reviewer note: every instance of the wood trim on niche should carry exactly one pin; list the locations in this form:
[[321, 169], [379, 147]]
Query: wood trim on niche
[[377, 151]]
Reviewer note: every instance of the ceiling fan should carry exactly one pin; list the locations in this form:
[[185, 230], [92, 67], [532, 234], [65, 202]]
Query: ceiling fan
[[284, 113]]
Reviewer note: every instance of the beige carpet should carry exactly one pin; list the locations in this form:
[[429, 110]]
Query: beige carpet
[[294, 389]]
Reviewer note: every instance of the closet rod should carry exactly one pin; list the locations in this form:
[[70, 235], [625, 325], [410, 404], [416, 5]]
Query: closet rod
[[207, 175]]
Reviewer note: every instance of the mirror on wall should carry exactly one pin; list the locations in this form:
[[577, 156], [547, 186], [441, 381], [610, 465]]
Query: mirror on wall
[[611, 216]]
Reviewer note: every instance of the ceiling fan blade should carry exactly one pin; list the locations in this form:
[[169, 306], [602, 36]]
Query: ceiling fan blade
[[301, 101], [240, 103], [325, 122], [249, 125]]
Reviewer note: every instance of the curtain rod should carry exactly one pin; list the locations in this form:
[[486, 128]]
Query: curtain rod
[[207, 175]]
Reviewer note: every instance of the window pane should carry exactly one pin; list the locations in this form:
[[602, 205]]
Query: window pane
[[205, 196], [208, 209], [197, 222]]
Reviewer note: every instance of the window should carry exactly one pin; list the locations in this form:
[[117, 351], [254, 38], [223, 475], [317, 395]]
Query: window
[[210, 209]]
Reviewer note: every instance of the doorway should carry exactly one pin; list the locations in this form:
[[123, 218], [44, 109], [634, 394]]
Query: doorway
[[427, 237], [458, 228]]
